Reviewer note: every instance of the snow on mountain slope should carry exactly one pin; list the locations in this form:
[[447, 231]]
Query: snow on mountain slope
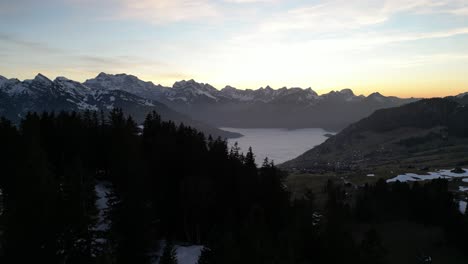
[[72, 87], [188, 92], [41, 94], [233, 93], [228, 107], [14, 87], [192, 92], [127, 83]]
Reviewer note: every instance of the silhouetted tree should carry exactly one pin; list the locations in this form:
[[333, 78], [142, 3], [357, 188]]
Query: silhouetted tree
[[169, 255]]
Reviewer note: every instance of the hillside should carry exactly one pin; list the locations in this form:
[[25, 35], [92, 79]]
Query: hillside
[[430, 132]]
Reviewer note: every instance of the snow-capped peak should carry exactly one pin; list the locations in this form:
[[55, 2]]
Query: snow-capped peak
[[462, 95], [71, 86], [192, 84], [237, 94], [191, 88], [42, 79], [102, 75]]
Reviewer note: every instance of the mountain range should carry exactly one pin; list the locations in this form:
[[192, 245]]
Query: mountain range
[[262, 108], [17, 98], [197, 104]]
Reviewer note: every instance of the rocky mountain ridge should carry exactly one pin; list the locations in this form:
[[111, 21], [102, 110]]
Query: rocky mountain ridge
[[42, 94]]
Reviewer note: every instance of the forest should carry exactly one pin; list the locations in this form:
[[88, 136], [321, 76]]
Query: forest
[[172, 183]]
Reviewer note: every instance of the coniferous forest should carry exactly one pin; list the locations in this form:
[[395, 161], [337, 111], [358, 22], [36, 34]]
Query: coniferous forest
[[168, 182]]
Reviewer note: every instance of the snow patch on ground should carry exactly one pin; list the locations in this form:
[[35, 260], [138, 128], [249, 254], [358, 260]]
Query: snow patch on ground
[[462, 188], [184, 254], [102, 189], [188, 255], [462, 206], [441, 174], [371, 175]]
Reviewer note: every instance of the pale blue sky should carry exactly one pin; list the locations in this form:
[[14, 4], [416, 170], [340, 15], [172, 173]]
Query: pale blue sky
[[405, 48]]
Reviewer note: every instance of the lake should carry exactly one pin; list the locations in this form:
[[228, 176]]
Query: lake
[[278, 144]]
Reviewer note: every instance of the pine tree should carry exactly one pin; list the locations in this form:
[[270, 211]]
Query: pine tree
[[206, 256], [372, 251], [250, 159], [169, 255]]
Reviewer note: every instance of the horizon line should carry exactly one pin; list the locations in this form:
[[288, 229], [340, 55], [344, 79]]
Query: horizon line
[[219, 89]]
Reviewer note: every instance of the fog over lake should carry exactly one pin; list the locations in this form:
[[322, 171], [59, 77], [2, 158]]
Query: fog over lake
[[278, 144]]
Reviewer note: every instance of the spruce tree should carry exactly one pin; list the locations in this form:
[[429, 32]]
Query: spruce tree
[[250, 159], [372, 251], [169, 255], [206, 256]]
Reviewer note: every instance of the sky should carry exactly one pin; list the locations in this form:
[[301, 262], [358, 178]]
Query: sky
[[397, 47]]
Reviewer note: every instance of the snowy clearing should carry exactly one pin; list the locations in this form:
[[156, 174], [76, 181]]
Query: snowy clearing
[[188, 255], [462, 206], [441, 174], [102, 189], [184, 254]]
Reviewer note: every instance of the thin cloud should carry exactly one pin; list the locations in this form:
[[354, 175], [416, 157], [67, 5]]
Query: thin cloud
[[9, 39], [168, 11], [342, 15], [459, 11], [252, 1], [421, 60]]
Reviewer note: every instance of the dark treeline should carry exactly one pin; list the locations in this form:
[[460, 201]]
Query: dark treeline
[[430, 204], [169, 182]]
